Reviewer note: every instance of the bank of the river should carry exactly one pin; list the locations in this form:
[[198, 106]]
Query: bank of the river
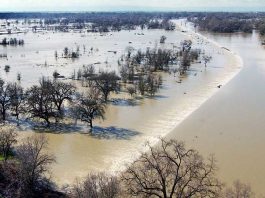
[[231, 123], [127, 127]]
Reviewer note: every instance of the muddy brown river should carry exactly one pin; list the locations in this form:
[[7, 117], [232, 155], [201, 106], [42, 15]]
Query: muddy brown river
[[231, 123]]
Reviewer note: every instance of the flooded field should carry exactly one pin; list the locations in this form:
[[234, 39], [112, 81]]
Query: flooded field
[[120, 137], [231, 123], [37, 56]]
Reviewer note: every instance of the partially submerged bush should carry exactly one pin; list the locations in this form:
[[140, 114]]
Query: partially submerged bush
[[7, 68]]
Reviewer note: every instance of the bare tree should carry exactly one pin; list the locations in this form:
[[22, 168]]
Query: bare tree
[[66, 52], [34, 163], [9, 179], [89, 107], [106, 82], [40, 103], [97, 186], [88, 71], [185, 63], [171, 171], [131, 90], [17, 100], [56, 54], [61, 91], [163, 39], [152, 84], [239, 190], [124, 72], [4, 98], [8, 137], [186, 45], [141, 85], [206, 59]]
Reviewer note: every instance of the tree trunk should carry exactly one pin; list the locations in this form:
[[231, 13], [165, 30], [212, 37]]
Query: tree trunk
[[17, 120], [48, 122], [91, 124], [105, 97], [59, 106], [4, 114], [5, 155], [17, 115]]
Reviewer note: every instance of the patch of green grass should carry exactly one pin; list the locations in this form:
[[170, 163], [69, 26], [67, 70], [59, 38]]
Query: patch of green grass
[[10, 156]]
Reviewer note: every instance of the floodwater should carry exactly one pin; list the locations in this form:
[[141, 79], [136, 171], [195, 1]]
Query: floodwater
[[231, 124], [120, 138]]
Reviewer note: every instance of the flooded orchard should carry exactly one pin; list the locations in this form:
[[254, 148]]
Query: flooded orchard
[[127, 126]]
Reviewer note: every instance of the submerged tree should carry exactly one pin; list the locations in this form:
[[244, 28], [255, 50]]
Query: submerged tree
[[131, 90], [163, 39], [186, 45], [89, 107], [171, 171], [184, 63], [66, 52], [17, 100], [61, 92], [152, 84], [39, 101], [106, 82], [141, 85], [206, 59], [124, 72]]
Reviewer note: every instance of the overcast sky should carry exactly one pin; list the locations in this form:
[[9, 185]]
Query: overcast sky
[[132, 5]]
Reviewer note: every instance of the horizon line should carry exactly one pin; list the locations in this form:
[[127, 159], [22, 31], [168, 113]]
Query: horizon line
[[132, 11]]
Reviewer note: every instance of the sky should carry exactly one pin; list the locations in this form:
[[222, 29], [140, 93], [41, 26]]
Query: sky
[[132, 5]]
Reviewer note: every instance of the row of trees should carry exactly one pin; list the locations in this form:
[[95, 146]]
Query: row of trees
[[261, 26], [165, 171], [12, 41], [153, 60], [140, 68], [229, 23], [218, 24], [46, 101], [43, 101], [143, 84], [165, 24], [68, 53], [115, 21]]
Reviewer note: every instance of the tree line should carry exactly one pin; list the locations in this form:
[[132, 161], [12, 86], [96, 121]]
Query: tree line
[[230, 23], [120, 20]]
